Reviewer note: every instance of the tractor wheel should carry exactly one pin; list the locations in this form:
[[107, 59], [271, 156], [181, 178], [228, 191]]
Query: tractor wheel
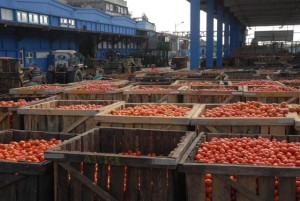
[[50, 77], [75, 76]]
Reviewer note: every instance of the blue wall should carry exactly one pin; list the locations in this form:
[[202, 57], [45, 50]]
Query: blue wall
[[40, 42]]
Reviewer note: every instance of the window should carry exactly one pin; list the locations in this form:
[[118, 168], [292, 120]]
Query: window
[[41, 55], [104, 45], [71, 23], [107, 6], [64, 22], [33, 18], [43, 19], [22, 16], [29, 55], [111, 7], [6, 14]]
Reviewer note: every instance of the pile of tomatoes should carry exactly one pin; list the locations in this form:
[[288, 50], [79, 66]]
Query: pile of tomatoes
[[166, 110], [136, 153], [196, 82], [245, 150], [255, 83], [272, 88], [152, 88], [16, 103], [98, 87], [79, 107], [30, 150], [248, 109], [45, 86]]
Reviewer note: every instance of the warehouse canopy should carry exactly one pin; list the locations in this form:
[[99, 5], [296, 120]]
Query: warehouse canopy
[[262, 12]]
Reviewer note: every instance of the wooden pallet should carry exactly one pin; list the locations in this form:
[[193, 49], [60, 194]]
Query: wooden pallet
[[147, 178], [247, 125], [248, 176], [44, 116], [80, 94], [106, 119], [170, 95], [28, 91], [193, 94], [9, 119], [27, 181]]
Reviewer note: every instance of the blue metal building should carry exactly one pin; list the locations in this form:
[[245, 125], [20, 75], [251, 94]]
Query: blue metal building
[[31, 29]]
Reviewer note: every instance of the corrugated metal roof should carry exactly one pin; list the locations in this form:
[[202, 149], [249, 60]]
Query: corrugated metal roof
[[262, 12]]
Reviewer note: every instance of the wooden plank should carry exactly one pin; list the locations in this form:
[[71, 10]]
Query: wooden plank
[[87, 182], [159, 178], [118, 142], [195, 187], [117, 182], [266, 186], [129, 139], [62, 184], [132, 184], [287, 188], [46, 187], [220, 190], [75, 185], [146, 187], [89, 173], [52, 124], [277, 130], [264, 130], [3, 116], [75, 124], [9, 192], [103, 178], [28, 188]]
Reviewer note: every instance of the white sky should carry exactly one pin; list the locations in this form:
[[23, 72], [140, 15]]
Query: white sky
[[166, 13]]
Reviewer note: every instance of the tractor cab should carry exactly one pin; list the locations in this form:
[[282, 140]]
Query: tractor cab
[[65, 67]]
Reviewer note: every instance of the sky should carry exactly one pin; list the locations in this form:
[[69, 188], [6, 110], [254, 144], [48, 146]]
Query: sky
[[166, 13]]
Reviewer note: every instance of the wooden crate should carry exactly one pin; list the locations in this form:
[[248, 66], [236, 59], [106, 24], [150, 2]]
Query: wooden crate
[[28, 91], [148, 178], [170, 94], [44, 116], [9, 119], [106, 119], [247, 125], [272, 96], [195, 94], [28, 181], [250, 179], [82, 94], [9, 81]]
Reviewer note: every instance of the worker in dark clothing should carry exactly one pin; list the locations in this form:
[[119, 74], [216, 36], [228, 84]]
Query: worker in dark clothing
[[34, 71]]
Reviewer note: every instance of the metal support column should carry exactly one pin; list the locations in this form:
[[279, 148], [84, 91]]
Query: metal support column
[[232, 31], [220, 36], [210, 33], [226, 35], [195, 34]]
